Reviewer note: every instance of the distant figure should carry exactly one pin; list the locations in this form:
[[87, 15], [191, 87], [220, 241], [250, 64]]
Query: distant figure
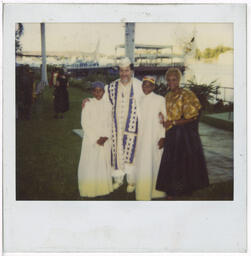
[[54, 76], [61, 96], [183, 167], [151, 138], [25, 90], [94, 171]]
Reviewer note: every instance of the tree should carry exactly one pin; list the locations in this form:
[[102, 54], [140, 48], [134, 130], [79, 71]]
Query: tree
[[209, 53], [198, 54], [18, 33]]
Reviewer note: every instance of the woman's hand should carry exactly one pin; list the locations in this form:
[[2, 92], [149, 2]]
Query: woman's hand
[[167, 124], [161, 143], [84, 101], [161, 118]]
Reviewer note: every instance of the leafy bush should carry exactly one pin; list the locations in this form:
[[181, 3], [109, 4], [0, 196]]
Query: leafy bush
[[204, 92], [161, 89], [209, 53]]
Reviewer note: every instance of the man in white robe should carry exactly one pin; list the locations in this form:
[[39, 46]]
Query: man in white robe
[[150, 141], [124, 95]]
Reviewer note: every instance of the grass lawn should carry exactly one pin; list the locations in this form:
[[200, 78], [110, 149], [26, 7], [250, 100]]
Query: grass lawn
[[47, 155]]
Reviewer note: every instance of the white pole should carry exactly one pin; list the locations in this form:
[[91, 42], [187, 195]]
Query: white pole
[[129, 40], [44, 79]]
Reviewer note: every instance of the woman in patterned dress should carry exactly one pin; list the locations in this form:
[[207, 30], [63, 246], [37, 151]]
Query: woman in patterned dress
[[183, 167]]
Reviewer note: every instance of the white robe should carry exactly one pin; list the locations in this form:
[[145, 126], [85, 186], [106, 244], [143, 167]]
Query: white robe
[[147, 152], [94, 171]]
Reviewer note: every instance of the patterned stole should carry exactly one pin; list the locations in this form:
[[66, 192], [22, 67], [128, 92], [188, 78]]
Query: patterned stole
[[131, 129]]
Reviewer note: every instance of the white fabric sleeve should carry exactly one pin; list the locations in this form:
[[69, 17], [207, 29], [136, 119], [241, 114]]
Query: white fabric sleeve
[[163, 107], [107, 129], [106, 96]]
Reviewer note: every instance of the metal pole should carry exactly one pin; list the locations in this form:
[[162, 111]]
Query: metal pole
[[129, 40], [116, 56], [44, 79]]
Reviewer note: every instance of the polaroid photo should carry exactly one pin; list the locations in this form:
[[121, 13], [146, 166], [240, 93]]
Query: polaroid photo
[[124, 128]]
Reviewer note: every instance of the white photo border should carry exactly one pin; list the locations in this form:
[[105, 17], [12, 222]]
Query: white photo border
[[81, 226]]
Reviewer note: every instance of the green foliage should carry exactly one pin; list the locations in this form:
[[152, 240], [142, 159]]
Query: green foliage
[[161, 89], [204, 92], [210, 53]]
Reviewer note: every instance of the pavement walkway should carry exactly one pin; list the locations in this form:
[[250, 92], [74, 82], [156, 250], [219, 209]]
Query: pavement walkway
[[227, 116], [218, 149]]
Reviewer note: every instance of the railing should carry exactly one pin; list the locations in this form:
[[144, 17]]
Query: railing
[[226, 94]]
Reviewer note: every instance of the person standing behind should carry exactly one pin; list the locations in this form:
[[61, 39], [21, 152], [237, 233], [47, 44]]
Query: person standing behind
[[94, 171], [61, 96], [183, 167], [151, 137]]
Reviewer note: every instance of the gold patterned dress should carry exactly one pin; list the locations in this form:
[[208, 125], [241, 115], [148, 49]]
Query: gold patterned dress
[[183, 166]]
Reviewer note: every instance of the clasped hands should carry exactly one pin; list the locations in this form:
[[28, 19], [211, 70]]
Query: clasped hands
[[166, 123]]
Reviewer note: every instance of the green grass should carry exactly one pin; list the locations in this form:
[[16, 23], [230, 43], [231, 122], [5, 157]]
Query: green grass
[[47, 156], [217, 191]]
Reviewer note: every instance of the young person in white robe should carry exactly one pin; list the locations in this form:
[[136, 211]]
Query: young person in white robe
[[124, 95], [151, 138], [94, 171]]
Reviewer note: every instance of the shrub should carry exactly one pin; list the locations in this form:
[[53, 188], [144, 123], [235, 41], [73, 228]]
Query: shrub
[[204, 92]]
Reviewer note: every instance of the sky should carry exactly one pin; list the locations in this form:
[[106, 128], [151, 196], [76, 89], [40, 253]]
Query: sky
[[84, 36]]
